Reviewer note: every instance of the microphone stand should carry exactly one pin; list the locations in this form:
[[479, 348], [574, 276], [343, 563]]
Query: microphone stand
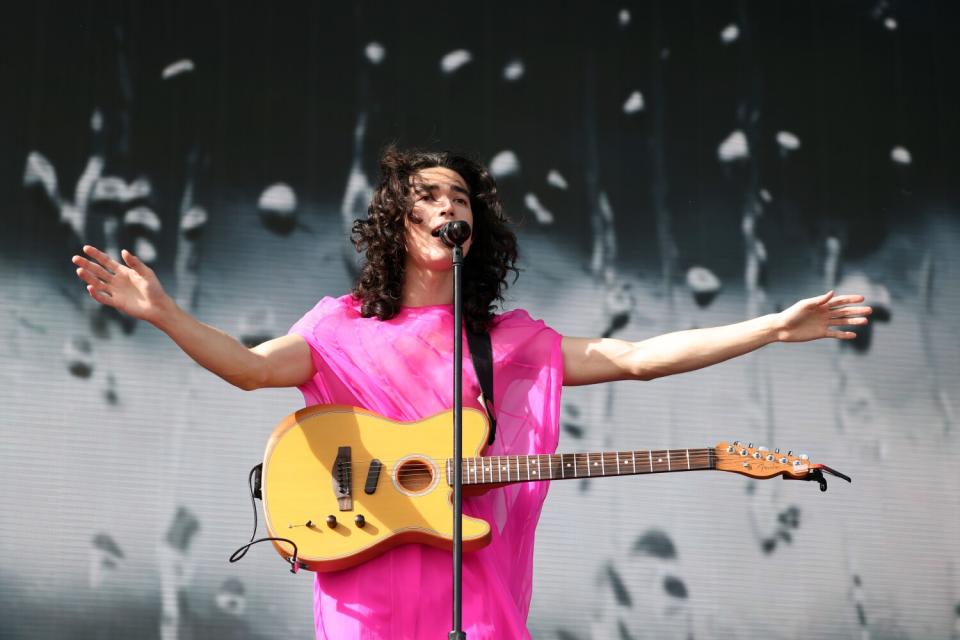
[[453, 239]]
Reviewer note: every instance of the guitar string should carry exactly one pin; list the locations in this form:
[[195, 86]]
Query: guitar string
[[609, 458], [676, 455], [519, 467]]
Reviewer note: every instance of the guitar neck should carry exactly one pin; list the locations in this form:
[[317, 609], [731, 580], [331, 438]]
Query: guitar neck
[[564, 466]]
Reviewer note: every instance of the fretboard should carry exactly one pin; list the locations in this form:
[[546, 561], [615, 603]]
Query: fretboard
[[563, 466]]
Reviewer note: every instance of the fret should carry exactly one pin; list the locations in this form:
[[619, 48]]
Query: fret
[[650, 456], [527, 460], [634, 455], [603, 465], [562, 466], [688, 459], [668, 460]]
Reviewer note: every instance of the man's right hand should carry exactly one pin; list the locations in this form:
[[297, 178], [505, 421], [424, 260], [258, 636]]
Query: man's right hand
[[132, 287]]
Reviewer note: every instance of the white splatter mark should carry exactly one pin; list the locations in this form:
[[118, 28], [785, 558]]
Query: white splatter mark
[[765, 196], [504, 164], [623, 18], [787, 141], [634, 103], [454, 60], [375, 52], [890, 24], [278, 198], [730, 33], [194, 218], [513, 71], [556, 179], [144, 249], [544, 216], [40, 171], [177, 68], [734, 147], [142, 217], [703, 284], [900, 155], [116, 189]]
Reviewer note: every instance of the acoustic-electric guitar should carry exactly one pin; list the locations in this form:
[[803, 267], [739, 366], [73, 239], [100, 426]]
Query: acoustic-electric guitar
[[341, 485]]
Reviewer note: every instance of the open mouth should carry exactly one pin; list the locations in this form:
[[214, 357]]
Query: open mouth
[[436, 232]]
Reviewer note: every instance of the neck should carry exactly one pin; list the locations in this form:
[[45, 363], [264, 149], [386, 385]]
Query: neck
[[426, 287]]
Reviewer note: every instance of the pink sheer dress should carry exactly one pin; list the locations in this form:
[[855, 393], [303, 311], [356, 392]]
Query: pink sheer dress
[[401, 369]]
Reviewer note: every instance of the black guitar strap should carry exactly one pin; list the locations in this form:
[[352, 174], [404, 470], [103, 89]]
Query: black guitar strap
[[481, 352]]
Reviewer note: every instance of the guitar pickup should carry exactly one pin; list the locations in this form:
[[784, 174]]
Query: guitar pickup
[[373, 476], [343, 479]]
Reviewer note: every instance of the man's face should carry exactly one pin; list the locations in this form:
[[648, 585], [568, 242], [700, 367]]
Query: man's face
[[440, 196]]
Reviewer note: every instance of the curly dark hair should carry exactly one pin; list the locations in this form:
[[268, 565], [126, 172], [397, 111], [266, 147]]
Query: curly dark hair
[[381, 237]]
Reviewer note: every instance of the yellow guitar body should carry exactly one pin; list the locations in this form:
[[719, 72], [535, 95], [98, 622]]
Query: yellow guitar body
[[316, 453]]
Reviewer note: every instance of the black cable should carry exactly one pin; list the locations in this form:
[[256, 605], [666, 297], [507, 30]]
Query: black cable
[[242, 551]]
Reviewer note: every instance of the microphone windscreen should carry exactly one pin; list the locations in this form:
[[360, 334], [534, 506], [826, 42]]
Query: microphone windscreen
[[455, 233]]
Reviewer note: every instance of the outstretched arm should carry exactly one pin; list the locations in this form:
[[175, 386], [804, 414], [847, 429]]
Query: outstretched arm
[[592, 360], [134, 288]]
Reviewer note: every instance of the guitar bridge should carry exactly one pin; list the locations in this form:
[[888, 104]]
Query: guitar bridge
[[343, 479]]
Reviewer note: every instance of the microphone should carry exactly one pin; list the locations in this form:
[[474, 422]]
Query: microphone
[[455, 233]]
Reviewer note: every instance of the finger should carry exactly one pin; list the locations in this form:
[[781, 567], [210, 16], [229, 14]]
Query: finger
[[101, 257], [841, 335], [93, 268], [91, 279], [845, 322], [839, 301], [134, 262], [100, 295], [846, 312], [819, 300]]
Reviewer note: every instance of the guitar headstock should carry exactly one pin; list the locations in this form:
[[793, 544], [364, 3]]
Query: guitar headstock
[[758, 462]]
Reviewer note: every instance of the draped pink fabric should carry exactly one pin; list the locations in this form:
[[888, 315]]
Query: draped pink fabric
[[401, 369]]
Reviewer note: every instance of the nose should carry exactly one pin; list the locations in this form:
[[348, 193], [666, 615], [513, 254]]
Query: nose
[[446, 207]]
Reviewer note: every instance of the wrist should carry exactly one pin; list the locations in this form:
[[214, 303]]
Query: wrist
[[165, 314], [776, 327]]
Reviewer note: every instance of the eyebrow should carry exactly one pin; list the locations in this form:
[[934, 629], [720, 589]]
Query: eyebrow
[[453, 187]]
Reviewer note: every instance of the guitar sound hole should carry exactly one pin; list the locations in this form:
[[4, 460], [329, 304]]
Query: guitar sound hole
[[415, 476]]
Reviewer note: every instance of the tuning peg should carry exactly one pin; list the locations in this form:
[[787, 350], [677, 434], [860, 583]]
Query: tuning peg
[[750, 446], [776, 450], [790, 452]]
